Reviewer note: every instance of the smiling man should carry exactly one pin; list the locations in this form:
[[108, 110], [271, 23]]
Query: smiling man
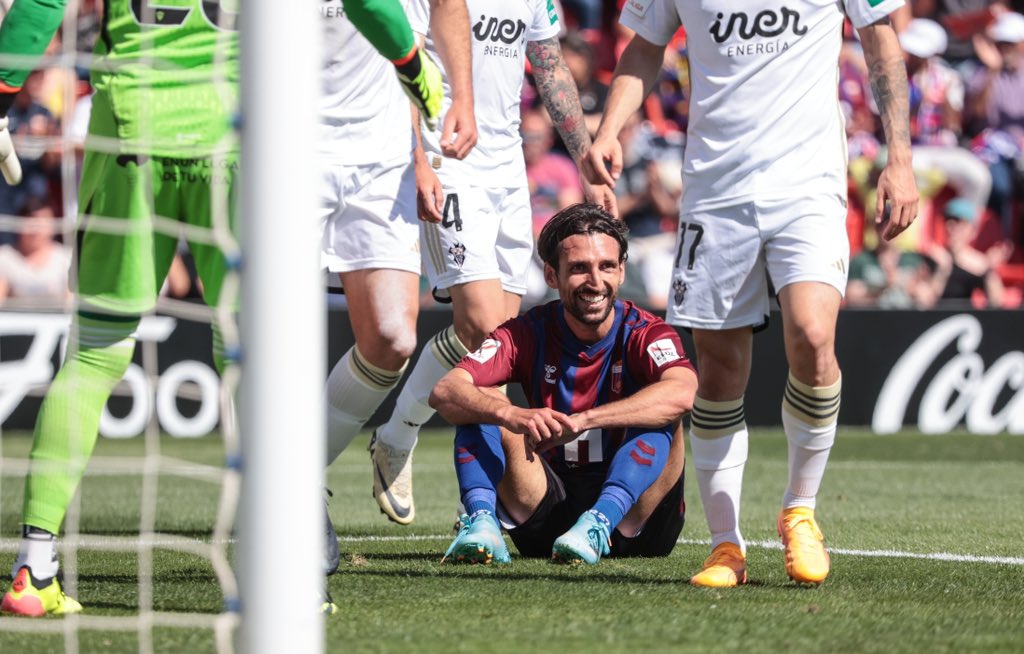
[[592, 468]]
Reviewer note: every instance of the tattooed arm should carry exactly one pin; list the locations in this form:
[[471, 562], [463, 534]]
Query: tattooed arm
[[558, 91], [888, 76]]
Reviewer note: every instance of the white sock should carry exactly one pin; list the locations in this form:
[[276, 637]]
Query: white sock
[[411, 408], [355, 388], [718, 442], [809, 416], [37, 550]]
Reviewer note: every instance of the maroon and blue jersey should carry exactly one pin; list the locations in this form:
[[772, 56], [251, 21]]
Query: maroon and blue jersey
[[557, 370]]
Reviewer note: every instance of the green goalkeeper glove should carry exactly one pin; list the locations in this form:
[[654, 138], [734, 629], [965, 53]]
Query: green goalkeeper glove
[[9, 164], [421, 79]]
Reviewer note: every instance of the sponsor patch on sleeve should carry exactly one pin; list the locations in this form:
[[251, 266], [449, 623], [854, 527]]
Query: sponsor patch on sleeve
[[552, 12], [638, 7], [486, 352], [663, 351]]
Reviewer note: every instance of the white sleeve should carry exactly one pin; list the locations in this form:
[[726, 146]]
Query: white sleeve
[[654, 20], [418, 13], [864, 12], [545, 21]]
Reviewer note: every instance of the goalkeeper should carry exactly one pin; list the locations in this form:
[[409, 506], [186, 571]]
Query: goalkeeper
[[26, 31], [160, 142]]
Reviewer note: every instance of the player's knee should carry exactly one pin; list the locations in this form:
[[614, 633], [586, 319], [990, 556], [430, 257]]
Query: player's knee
[[812, 346], [473, 329], [391, 348]]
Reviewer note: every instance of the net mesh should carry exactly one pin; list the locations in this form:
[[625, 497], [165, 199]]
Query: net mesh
[[47, 321]]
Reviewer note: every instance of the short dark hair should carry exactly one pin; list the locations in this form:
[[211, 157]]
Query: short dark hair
[[583, 218]]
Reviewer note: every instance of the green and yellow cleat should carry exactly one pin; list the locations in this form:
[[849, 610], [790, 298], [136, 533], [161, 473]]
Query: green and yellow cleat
[[35, 598]]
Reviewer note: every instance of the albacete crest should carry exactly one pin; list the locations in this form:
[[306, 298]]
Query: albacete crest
[[679, 290], [458, 253]]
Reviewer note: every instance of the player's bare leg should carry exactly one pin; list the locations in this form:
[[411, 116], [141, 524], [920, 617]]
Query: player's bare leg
[[718, 442], [810, 411], [383, 305], [478, 308], [524, 485]]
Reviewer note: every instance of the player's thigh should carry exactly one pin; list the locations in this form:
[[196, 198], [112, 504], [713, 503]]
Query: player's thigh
[[382, 306], [115, 258], [719, 279], [368, 214], [210, 204]]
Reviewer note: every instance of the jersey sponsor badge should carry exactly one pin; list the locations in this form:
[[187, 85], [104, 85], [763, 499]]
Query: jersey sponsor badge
[[552, 12], [486, 352], [663, 351], [638, 7]]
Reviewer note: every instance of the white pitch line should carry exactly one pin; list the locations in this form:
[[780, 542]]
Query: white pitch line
[[127, 544]]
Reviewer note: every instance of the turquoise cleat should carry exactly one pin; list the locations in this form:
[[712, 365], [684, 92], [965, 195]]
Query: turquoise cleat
[[479, 541], [586, 542]]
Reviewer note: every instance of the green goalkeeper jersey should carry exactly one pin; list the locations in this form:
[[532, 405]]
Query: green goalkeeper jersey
[[166, 77]]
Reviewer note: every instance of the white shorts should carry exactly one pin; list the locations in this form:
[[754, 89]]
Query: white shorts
[[485, 233], [725, 257], [368, 217]]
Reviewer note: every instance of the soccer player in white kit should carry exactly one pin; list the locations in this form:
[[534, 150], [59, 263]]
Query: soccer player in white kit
[[764, 196], [370, 228], [477, 234]]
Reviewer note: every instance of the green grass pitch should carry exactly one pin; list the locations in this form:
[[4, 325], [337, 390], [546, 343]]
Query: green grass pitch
[[926, 534]]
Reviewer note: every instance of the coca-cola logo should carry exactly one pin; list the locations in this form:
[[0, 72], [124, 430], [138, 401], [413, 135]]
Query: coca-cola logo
[[766, 24], [963, 390], [492, 29]]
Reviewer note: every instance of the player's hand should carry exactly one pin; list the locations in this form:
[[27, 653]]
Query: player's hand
[[538, 425], [600, 194], [602, 164], [421, 81], [459, 134], [429, 193], [896, 185], [10, 166]]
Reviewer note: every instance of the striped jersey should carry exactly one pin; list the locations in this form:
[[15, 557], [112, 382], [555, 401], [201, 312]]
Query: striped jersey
[[556, 370]]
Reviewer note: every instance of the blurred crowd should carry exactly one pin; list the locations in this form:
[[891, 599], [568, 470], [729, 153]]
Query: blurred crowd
[[965, 62]]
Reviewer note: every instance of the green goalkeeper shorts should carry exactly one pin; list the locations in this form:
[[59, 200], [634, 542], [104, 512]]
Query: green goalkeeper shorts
[[134, 209]]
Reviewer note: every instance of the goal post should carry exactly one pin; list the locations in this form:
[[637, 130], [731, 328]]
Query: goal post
[[281, 409]]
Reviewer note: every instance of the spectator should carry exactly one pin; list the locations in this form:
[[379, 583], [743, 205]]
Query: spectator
[[888, 278], [936, 107], [962, 272], [648, 191], [997, 97], [579, 57], [37, 266], [554, 185], [31, 126]]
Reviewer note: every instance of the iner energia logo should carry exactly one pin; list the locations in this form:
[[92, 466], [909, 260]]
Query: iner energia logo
[[494, 30], [766, 24], [962, 389]]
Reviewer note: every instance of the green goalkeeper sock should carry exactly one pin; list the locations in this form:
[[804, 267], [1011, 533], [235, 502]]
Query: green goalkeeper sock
[[99, 351]]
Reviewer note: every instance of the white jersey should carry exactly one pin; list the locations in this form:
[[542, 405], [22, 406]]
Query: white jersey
[[499, 32], [765, 119], [364, 113]]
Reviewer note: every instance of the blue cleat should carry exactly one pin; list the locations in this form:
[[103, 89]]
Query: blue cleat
[[479, 541], [586, 542]]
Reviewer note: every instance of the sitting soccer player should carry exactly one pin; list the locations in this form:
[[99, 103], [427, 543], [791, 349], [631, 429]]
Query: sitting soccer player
[[592, 469]]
